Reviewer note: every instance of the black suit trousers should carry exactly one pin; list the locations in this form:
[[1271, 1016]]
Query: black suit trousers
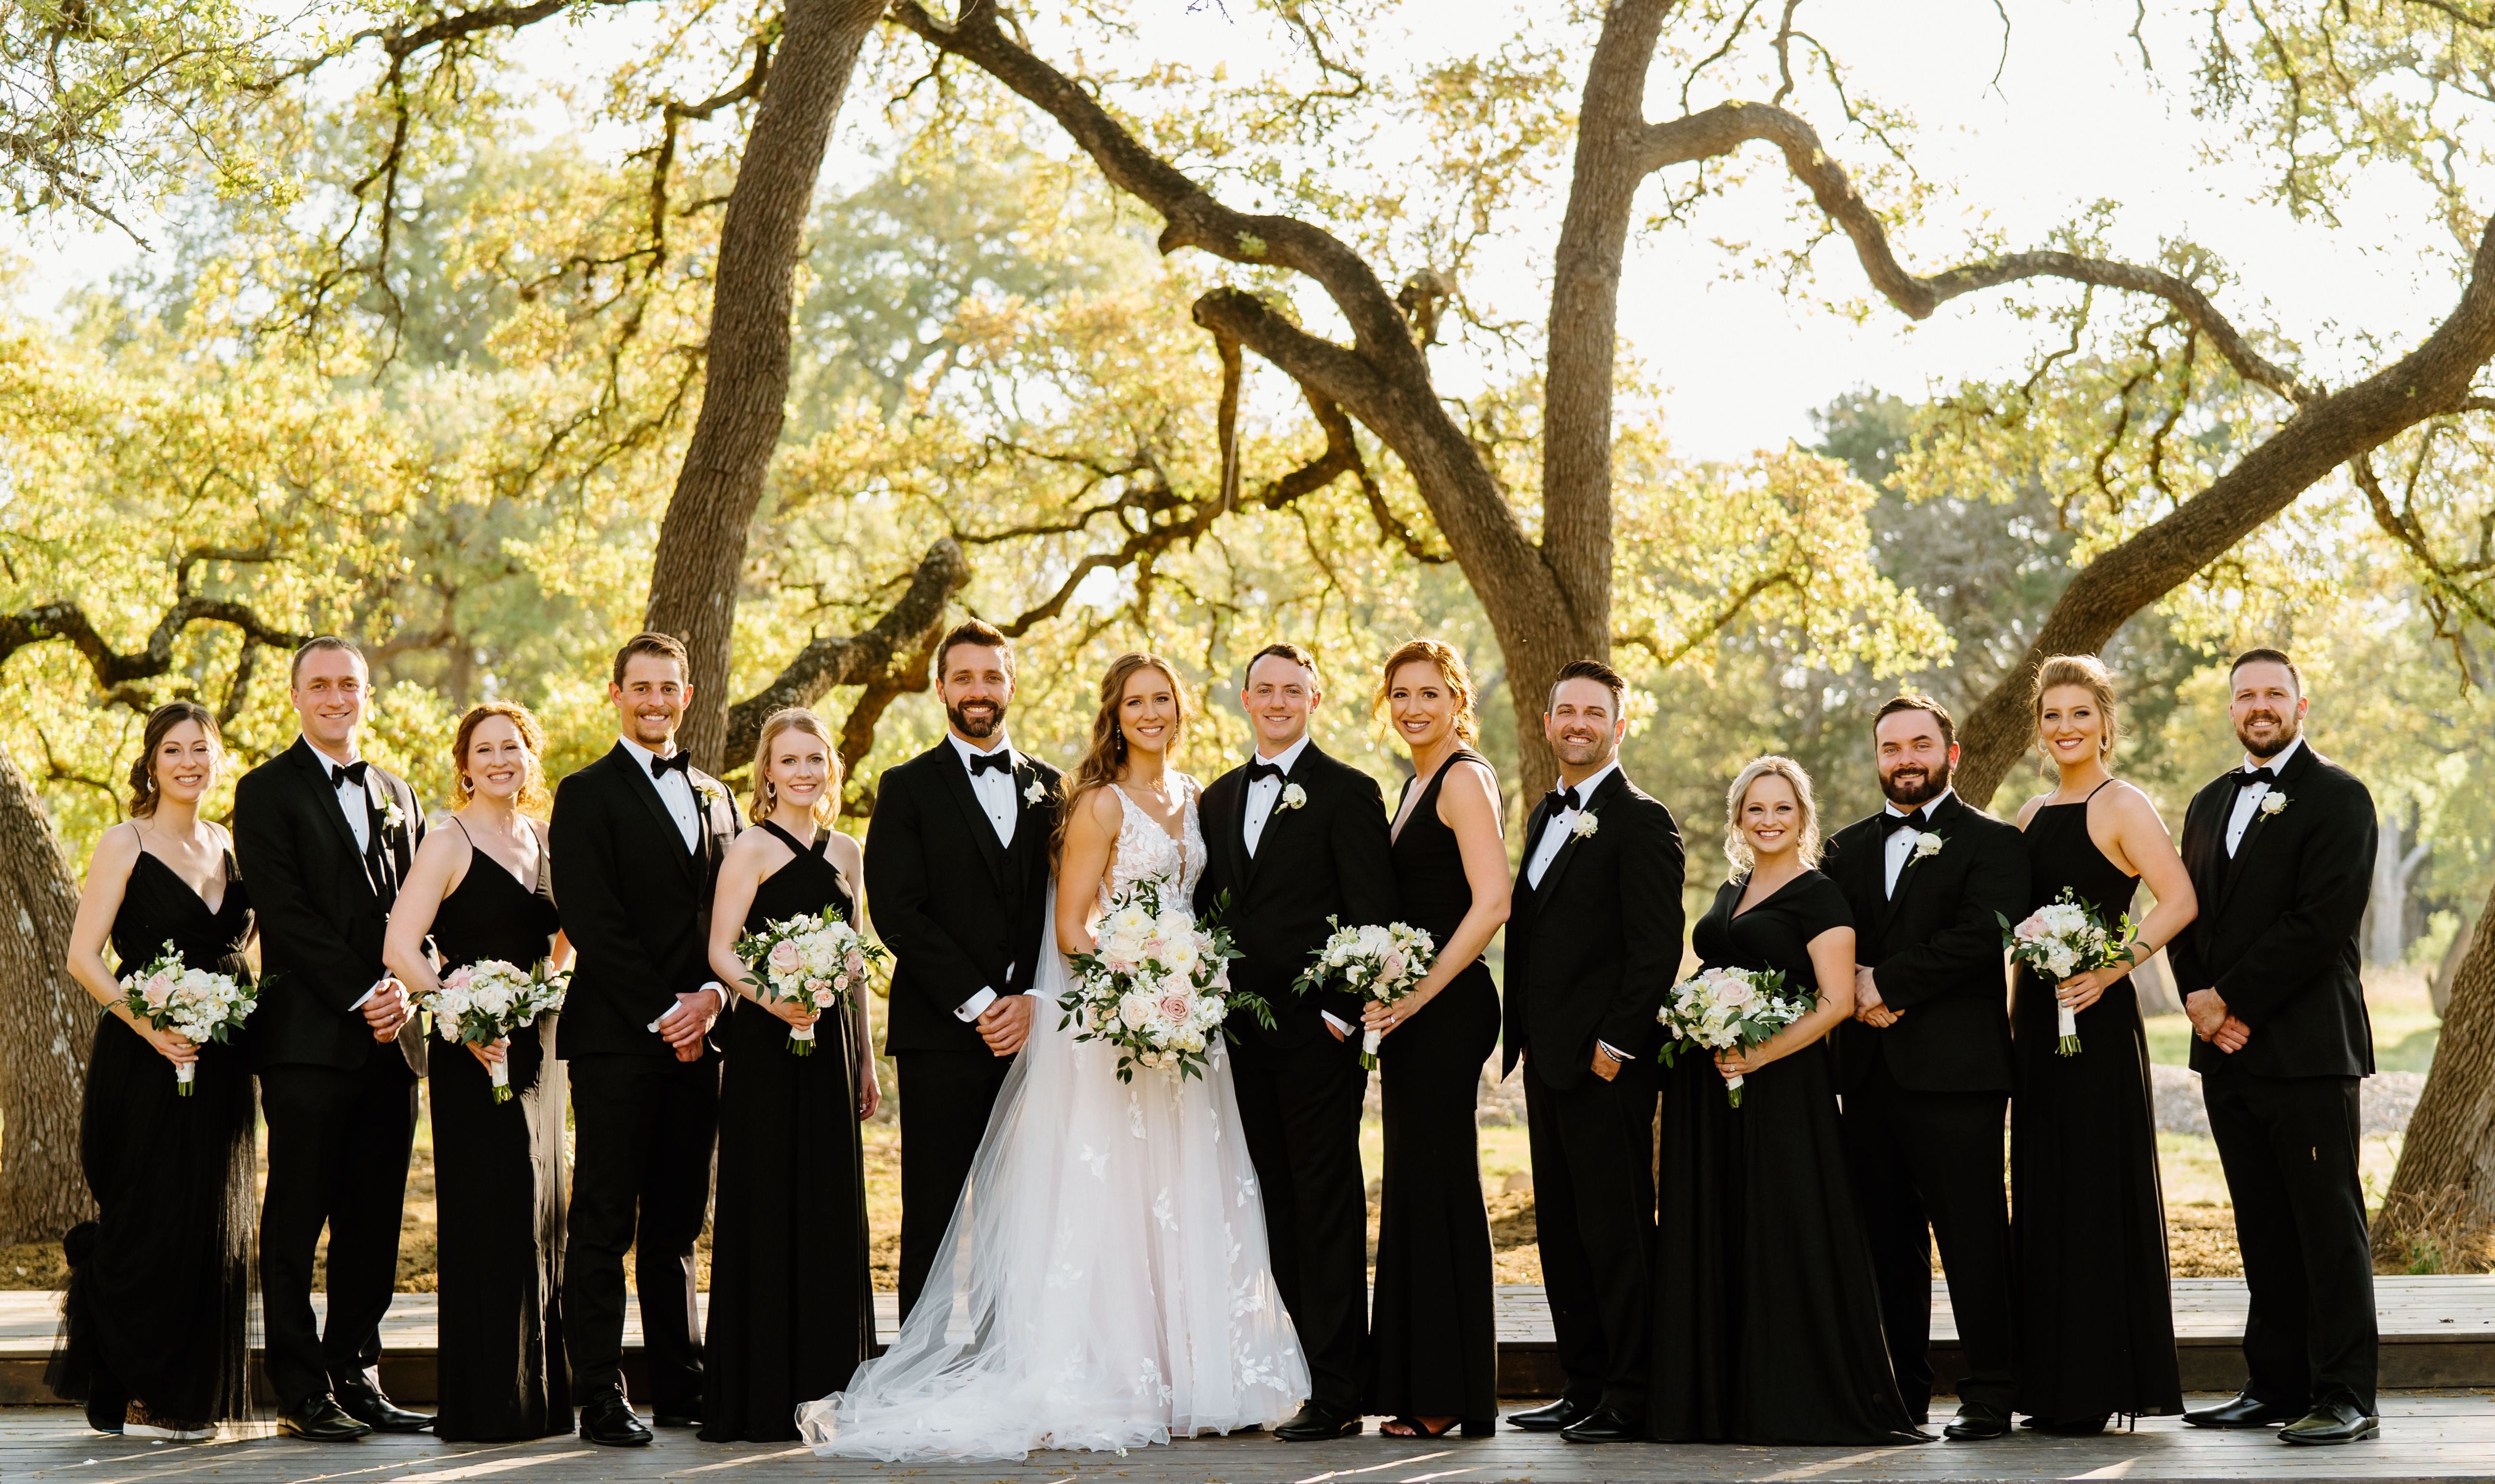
[[1593, 1201], [946, 1099], [1928, 1166], [643, 1129], [1301, 1109], [338, 1146], [2289, 1146]]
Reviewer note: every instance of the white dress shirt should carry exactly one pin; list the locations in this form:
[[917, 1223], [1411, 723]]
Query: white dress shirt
[[1265, 792], [1901, 845], [2249, 799], [995, 789], [355, 801], [1557, 828], [675, 791]]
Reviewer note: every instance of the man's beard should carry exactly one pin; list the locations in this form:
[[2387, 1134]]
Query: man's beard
[[1935, 782], [978, 729], [2286, 733]]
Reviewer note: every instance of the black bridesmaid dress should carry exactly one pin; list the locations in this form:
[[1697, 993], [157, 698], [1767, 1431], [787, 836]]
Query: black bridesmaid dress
[[1434, 1352], [792, 1313], [499, 1183], [2096, 1331], [159, 1305], [1767, 1324]]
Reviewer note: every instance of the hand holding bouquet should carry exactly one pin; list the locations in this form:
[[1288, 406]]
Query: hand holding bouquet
[[196, 1004], [481, 1002], [2063, 937], [1383, 964], [813, 962], [1155, 985], [1727, 1009]]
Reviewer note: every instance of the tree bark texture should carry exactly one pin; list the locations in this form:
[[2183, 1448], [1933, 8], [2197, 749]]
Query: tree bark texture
[[46, 1020], [700, 555], [2442, 1196]]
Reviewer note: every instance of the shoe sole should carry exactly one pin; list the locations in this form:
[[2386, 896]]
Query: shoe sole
[[166, 1434], [2309, 1441], [617, 1442]]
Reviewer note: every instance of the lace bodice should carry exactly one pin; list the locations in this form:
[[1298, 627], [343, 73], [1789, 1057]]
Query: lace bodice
[[1145, 852]]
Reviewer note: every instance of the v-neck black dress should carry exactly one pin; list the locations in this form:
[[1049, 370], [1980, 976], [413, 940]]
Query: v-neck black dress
[[159, 1303], [499, 1183], [792, 1309], [2087, 1231], [1767, 1324]]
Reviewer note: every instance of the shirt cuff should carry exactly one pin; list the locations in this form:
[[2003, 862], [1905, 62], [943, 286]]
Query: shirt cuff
[[366, 997], [974, 1007], [1336, 1021], [1612, 1051]]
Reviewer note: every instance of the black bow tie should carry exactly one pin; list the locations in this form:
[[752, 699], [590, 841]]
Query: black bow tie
[[342, 773], [997, 762], [1258, 770], [1561, 800], [680, 761], [2247, 777], [1890, 824]]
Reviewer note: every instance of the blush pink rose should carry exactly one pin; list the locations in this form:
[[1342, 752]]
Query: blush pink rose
[[1176, 1007], [784, 957]]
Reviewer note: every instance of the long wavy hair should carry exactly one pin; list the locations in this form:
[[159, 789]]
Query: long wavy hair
[[1106, 757], [144, 791], [766, 797], [1451, 669], [533, 799]]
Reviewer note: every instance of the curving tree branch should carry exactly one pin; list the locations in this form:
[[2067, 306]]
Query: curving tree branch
[[113, 668], [866, 658]]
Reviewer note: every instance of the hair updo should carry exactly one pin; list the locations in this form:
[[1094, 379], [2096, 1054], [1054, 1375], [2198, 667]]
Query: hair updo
[[2089, 674], [145, 794], [1451, 669]]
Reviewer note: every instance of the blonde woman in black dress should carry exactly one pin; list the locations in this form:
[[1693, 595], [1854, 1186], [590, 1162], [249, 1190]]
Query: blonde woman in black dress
[[480, 888], [153, 1328], [1433, 1358], [792, 1313]]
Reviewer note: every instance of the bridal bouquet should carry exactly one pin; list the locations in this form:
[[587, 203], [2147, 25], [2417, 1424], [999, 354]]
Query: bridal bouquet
[[483, 1002], [1722, 1010], [1157, 986], [1383, 964], [2058, 940], [814, 962], [195, 1003]]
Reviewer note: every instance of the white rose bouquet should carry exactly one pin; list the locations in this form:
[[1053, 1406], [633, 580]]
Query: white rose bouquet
[[479, 1004], [196, 1004], [1725, 1009], [1156, 985], [2058, 940], [1376, 962], [815, 963]]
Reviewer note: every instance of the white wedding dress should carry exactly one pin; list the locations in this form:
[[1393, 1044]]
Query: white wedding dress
[[1104, 1281]]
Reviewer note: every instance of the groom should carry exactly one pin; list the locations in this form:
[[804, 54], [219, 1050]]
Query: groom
[[957, 857], [2281, 852], [1294, 838]]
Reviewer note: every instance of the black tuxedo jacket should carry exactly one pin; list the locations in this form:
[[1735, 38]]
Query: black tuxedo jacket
[[1592, 951], [1329, 857], [2277, 937], [1934, 950], [322, 913], [960, 911], [634, 901]]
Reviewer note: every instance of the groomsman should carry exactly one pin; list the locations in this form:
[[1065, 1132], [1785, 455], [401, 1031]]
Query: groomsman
[[636, 839], [2281, 852], [1924, 1070], [1294, 838], [324, 838], [1593, 944], [957, 859]]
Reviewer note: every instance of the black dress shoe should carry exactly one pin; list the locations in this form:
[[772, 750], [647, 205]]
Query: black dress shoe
[[2245, 1411], [1549, 1419], [2331, 1422], [1317, 1423], [364, 1402], [1977, 1423], [1604, 1423], [608, 1419], [320, 1420]]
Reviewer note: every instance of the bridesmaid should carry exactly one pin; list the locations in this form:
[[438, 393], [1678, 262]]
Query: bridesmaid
[[1433, 1360], [482, 890], [2096, 1328], [1767, 1322], [153, 1328], [792, 1313]]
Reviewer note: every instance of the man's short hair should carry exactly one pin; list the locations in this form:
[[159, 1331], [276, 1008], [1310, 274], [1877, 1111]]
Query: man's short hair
[[1589, 669], [664, 645], [1912, 700], [317, 644], [1285, 649], [2267, 657], [973, 631]]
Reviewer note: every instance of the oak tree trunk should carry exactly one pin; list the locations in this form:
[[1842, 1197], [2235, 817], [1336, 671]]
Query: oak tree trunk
[[47, 1021], [2442, 1196]]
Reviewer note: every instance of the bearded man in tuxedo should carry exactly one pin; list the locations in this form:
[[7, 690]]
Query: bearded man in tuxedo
[[2281, 851]]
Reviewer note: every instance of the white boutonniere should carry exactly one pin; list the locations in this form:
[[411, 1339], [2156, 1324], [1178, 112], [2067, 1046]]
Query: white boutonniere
[[1293, 795], [1927, 846], [2274, 802], [712, 793], [392, 817], [1036, 793], [1583, 825]]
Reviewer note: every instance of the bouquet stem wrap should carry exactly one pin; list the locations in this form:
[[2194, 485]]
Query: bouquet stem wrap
[[2064, 938]]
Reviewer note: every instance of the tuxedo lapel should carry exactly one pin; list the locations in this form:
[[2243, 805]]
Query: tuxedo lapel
[[1941, 818], [1233, 810], [638, 781], [1525, 900], [1280, 811], [1568, 849], [955, 779], [325, 803], [2253, 827]]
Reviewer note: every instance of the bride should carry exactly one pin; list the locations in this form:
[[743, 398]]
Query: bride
[[1104, 1281]]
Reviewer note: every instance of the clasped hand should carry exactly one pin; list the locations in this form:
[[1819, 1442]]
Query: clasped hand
[[386, 1008], [1868, 1008], [2212, 1022], [1006, 1024], [689, 1023]]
